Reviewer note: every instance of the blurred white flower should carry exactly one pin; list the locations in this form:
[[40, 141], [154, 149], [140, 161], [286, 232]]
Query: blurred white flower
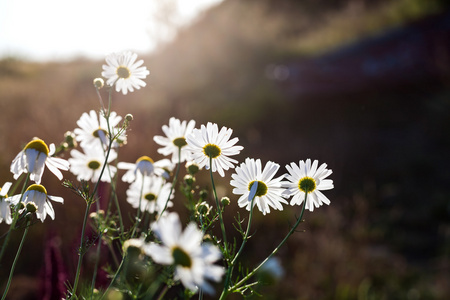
[[124, 71], [208, 142], [269, 190], [151, 193], [37, 194], [33, 159], [194, 261], [305, 177], [145, 167], [93, 131], [5, 210], [88, 165], [175, 139]]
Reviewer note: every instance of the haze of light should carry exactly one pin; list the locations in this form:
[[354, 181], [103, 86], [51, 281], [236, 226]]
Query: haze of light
[[66, 29]]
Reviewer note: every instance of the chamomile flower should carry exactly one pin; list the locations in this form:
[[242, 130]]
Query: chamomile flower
[[124, 71], [193, 261], [37, 194], [268, 191], [34, 157], [93, 129], [88, 165], [5, 210], [145, 166], [151, 193], [307, 178], [208, 142], [175, 139]]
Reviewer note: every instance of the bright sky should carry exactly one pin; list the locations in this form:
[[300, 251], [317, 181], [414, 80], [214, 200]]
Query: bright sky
[[64, 29]]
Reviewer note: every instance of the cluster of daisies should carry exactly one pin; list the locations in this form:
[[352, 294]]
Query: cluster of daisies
[[99, 134]]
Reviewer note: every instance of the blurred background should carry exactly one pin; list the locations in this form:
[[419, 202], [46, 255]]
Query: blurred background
[[361, 85]]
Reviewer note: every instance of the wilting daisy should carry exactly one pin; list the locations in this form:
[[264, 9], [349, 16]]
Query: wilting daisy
[[88, 165], [151, 194], [305, 177], [208, 142], [194, 261], [5, 210], [123, 71], [37, 194], [34, 157], [145, 166], [175, 139], [93, 129], [268, 191]]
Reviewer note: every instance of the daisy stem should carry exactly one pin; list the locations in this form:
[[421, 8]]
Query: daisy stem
[[97, 256], [138, 215], [173, 183], [16, 259], [244, 241], [219, 208], [243, 280], [16, 217], [114, 278], [82, 248]]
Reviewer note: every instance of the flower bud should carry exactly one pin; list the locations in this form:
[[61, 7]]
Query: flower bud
[[129, 117], [189, 180], [98, 83], [203, 194], [192, 168], [203, 208], [225, 201]]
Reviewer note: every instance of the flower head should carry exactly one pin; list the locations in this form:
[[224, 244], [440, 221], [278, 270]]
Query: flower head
[[124, 71], [307, 178], [34, 157], [145, 167], [151, 195], [194, 261], [93, 131], [5, 210], [208, 142], [37, 194], [250, 180], [175, 139], [88, 165]]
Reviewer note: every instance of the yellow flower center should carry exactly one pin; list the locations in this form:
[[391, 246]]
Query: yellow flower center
[[307, 184], [38, 145], [144, 158], [261, 190], [181, 258], [37, 187], [179, 142], [94, 165], [123, 72], [211, 150]]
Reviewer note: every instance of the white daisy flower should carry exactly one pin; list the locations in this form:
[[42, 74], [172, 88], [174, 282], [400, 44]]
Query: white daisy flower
[[305, 177], [269, 190], [93, 129], [37, 194], [144, 167], [5, 210], [208, 142], [123, 71], [175, 139], [194, 261], [88, 165], [34, 157], [152, 194]]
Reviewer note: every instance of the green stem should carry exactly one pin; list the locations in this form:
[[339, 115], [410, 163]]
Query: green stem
[[97, 257], [243, 280], [173, 183], [115, 277], [219, 209], [15, 260], [244, 241], [82, 248], [16, 217], [138, 216]]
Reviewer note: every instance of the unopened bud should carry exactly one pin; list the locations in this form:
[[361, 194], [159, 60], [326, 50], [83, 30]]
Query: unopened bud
[[98, 83], [192, 168], [202, 208], [129, 117], [225, 201], [189, 180], [203, 194]]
